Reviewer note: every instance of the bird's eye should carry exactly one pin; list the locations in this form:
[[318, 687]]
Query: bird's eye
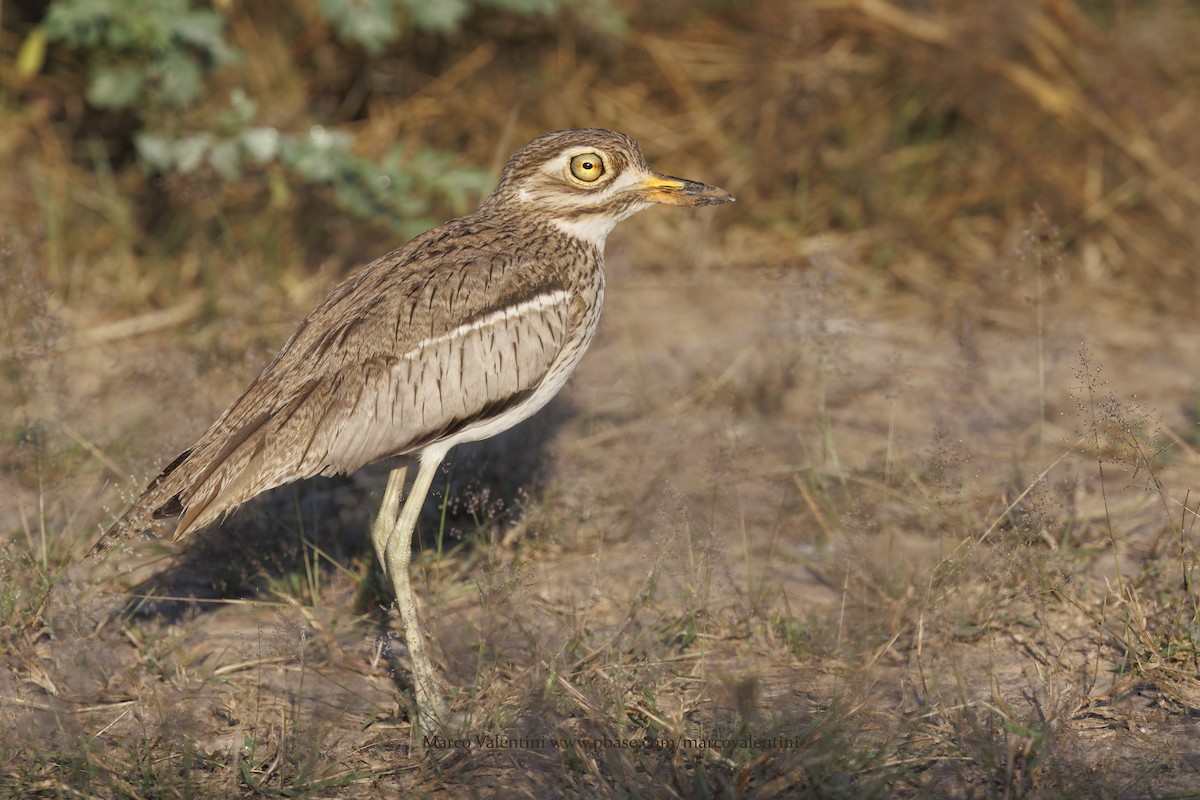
[[587, 167]]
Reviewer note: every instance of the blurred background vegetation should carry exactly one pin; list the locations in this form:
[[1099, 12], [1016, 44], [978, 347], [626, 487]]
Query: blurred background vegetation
[[920, 134]]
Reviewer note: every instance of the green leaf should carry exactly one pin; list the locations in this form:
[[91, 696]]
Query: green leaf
[[439, 16], [205, 30], [226, 158], [371, 23], [241, 111], [190, 152], [179, 78], [115, 86], [80, 23], [529, 7], [260, 144], [155, 151]]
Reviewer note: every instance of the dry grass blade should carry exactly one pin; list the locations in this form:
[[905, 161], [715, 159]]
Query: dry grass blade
[[152, 322]]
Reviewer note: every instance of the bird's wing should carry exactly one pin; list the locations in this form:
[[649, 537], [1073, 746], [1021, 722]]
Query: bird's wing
[[406, 352]]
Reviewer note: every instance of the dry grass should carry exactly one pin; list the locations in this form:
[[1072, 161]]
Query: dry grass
[[838, 505]]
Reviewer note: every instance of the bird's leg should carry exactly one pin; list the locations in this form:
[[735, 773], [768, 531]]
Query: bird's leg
[[385, 521], [395, 554]]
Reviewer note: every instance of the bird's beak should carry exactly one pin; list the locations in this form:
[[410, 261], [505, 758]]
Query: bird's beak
[[679, 192]]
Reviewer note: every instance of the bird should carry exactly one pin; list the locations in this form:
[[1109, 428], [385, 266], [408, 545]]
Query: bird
[[456, 336]]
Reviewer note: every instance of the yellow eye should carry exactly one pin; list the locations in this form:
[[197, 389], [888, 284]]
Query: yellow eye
[[587, 167]]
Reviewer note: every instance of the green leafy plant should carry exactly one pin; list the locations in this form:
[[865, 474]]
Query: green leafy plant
[[154, 59], [162, 47], [398, 187], [374, 24]]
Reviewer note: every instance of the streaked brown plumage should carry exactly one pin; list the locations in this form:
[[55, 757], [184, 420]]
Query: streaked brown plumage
[[462, 333]]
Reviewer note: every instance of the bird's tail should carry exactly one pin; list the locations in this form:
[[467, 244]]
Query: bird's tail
[[160, 499]]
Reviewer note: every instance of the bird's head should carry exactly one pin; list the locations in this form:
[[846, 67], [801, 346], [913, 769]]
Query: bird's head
[[585, 181]]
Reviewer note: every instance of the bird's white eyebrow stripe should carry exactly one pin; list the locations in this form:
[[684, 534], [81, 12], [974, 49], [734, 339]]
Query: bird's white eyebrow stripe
[[536, 303]]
